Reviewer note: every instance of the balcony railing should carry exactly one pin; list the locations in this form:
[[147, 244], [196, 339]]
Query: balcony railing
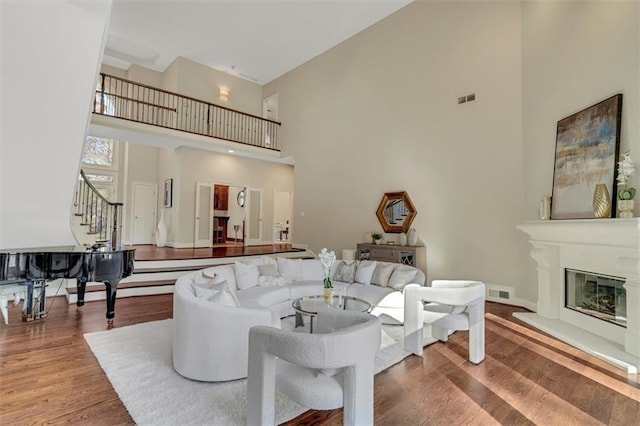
[[120, 98]]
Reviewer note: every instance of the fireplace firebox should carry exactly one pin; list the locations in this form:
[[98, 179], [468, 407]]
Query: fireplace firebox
[[596, 295]]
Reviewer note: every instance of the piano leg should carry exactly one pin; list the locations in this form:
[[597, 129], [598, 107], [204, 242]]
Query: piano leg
[[37, 286], [111, 299], [81, 285]]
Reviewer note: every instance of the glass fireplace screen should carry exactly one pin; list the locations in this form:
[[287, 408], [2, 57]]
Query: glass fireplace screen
[[599, 296]]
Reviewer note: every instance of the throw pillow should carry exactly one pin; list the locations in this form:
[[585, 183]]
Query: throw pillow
[[346, 272], [246, 275], [224, 297], [227, 271], [365, 271], [269, 270], [211, 290], [401, 276], [290, 268], [382, 274]]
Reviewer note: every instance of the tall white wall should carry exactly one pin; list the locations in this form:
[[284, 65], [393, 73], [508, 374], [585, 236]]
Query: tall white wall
[[379, 113], [575, 54], [51, 54]]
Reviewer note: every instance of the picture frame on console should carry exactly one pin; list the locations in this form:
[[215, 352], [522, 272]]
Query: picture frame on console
[[168, 192], [587, 149]]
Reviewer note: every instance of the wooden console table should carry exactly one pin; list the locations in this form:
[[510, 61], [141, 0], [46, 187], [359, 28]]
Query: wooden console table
[[407, 255]]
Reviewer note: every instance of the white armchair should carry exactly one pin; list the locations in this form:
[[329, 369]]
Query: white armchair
[[446, 306], [331, 368]]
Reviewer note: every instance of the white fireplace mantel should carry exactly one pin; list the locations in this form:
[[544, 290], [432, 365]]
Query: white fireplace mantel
[[600, 246]]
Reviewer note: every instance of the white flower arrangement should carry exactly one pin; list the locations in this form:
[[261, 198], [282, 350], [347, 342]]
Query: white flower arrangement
[[327, 258], [626, 169]]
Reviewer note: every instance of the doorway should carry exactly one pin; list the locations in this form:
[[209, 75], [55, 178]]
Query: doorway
[[229, 214], [282, 216], [144, 213]]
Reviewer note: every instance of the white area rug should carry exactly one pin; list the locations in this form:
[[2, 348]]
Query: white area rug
[[137, 361]]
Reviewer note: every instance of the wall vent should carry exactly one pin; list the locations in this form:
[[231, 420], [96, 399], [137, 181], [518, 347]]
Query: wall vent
[[499, 293]]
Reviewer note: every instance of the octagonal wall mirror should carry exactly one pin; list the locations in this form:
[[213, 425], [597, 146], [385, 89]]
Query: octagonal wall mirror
[[396, 212]]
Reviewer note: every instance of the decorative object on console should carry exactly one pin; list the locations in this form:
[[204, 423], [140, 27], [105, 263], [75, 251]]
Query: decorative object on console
[[626, 194], [601, 201], [403, 239], [161, 231], [412, 237], [587, 146], [545, 208], [396, 212], [327, 259], [376, 237]]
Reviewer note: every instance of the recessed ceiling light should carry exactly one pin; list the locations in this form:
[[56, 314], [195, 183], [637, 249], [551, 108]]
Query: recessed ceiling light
[[230, 151]]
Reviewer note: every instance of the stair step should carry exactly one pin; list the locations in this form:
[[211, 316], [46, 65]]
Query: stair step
[[94, 288]]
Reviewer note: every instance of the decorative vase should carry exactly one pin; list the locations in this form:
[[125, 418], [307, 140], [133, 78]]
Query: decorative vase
[[403, 239], [161, 232], [625, 208], [601, 201], [378, 241], [327, 294], [412, 237]]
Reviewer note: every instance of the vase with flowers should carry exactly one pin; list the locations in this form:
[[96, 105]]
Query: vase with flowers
[[327, 259], [626, 193]]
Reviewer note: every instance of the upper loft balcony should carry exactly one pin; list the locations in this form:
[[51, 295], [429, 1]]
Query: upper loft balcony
[[127, 110]]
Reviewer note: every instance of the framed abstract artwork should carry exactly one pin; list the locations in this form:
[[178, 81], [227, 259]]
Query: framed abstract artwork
[[587, 149], [168, 192]]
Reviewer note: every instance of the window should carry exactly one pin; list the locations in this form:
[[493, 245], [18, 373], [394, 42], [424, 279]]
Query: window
[[99, 152]]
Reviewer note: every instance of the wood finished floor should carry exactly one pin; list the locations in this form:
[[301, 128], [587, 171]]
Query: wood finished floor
[[151, 252], [48, 375]]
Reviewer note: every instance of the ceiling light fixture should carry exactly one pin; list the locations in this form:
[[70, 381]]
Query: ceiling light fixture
[[231, 151], [223, 94]]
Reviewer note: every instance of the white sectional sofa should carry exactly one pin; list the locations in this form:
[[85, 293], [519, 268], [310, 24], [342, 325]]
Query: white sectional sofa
[[214, 308]]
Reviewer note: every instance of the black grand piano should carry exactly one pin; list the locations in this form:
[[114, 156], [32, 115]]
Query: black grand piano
[[34, 267]]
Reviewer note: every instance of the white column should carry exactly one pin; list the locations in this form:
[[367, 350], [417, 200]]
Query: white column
[[550, 279]]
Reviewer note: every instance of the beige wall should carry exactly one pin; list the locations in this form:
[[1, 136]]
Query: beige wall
[[208, 167], [574, 55], [142, 167], [201, 82], [379, 113]]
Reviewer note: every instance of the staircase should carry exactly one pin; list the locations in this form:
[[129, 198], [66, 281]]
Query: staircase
[[96, 220]]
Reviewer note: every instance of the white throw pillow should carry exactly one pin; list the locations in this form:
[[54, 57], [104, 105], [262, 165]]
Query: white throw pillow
[[227, 271], [382, 274], [246, 275], [290, 268], [224, 297], [312, 270], [365, 271], [210, 291], [401, 276]]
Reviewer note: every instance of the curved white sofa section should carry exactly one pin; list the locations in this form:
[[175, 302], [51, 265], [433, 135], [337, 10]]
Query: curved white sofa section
[[210, 340]]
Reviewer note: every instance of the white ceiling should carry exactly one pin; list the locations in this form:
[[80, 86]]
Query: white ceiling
[[258, 40]]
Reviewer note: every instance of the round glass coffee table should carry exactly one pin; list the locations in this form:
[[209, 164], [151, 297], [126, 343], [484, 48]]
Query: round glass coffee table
[[309, 305]]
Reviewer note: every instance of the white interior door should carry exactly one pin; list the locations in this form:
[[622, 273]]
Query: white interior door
[[145, 203], [204, 215], [255, 217]]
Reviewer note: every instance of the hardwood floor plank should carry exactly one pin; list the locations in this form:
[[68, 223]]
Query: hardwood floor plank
[[48, 375]]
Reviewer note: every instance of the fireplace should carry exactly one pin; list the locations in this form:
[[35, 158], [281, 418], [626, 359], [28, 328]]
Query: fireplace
[[596, 295], [588, 274]]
